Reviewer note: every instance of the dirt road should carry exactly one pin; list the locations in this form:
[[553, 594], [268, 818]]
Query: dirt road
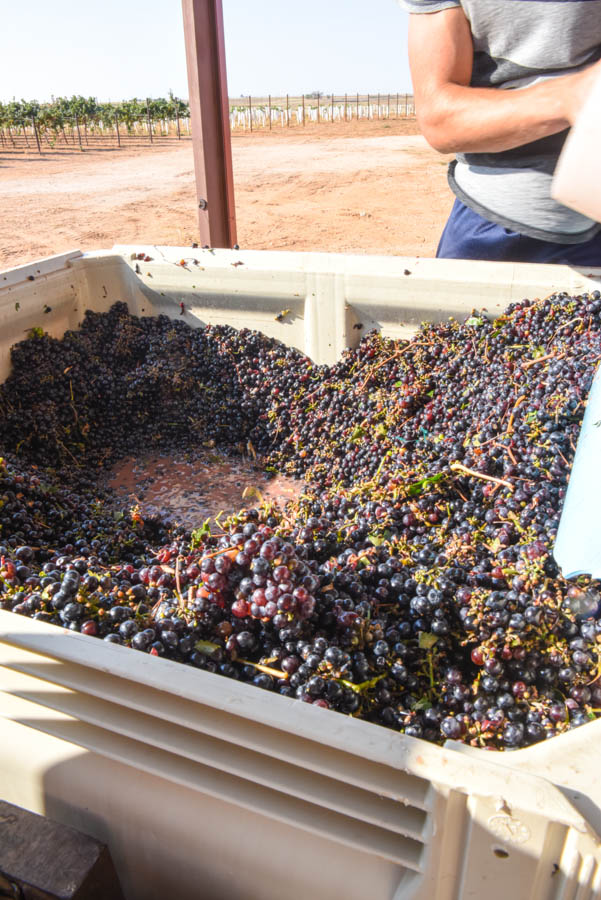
[[356, 188]]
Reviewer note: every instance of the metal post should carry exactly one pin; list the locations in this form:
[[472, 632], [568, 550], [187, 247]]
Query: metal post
[[250, 111], [388, 108], [378, 106], [35, 131], [345, 106], [287, 111], [368, 109], [397, 106], [303, 109], [149, 119], [332, 108], [209, 110], [24, 135], [406, 106], [270, 112], [318, 107], [117, 128]]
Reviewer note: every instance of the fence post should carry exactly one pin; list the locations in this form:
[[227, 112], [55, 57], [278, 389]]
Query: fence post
[[318, 119], [406, 113], [368, 109], [250, 111], [397, 106], [269, 105], [378, 106], [388, 108], [303, 109], [345, 105], [287, 111], [149, 119], [35, 131], [179, 133], [117, 129], [332, 108]]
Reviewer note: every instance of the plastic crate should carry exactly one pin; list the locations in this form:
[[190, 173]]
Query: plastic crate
[[204, 787]]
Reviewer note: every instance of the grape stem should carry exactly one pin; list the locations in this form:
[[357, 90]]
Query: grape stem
[[410, 346], [540, 359], [458, 467]]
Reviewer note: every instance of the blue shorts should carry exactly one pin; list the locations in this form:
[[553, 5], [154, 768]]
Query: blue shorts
[[468, 236]]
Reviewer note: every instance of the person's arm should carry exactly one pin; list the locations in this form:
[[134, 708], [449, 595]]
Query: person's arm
[[455, 117]]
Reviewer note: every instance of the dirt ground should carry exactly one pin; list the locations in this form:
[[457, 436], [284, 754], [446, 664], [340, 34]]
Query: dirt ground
[[367, 187]]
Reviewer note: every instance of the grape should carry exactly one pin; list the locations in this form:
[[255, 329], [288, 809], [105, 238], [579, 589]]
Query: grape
[[411, 583]]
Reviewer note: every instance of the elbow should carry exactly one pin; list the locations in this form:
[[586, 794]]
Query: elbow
[[437, 129]]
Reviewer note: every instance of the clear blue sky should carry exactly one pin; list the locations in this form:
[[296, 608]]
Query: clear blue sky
[[113, 49]]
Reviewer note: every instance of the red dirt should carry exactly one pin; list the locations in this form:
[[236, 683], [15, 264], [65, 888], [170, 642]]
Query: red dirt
[[367, 187]]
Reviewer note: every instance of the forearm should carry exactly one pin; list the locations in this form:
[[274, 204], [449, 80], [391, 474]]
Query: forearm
[[458, 118], [455, 117]]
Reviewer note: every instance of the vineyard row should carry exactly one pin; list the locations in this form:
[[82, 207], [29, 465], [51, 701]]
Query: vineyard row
[[80, 122]]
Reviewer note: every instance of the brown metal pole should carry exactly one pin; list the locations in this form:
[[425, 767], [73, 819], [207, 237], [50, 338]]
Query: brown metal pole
[[209, 111]]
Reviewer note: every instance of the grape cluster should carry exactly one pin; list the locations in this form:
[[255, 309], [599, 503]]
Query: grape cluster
[[412, 584]]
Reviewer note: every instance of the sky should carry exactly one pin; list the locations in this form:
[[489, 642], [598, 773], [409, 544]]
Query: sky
[[118, 49]]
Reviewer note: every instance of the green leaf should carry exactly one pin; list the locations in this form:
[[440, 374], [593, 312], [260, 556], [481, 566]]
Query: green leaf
[[377, 540], [477, 321], [207, 648], [199, 534], [357, 434], [417, 486], [426, 640], [424, 703]]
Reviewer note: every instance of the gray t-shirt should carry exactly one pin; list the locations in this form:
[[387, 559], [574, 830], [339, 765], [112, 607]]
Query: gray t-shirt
[[518, 43]]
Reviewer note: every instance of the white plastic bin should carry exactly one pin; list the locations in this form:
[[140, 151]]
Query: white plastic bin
[[205, 787]]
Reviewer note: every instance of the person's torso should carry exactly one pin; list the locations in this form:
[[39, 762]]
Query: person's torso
[[518, 43]]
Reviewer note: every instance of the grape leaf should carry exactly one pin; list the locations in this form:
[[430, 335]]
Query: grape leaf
[[426, 640]]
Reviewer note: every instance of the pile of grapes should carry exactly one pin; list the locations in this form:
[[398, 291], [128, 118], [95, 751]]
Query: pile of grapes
[[411, 585]]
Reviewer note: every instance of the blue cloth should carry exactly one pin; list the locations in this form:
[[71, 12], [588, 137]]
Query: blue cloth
[[468, 236]]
